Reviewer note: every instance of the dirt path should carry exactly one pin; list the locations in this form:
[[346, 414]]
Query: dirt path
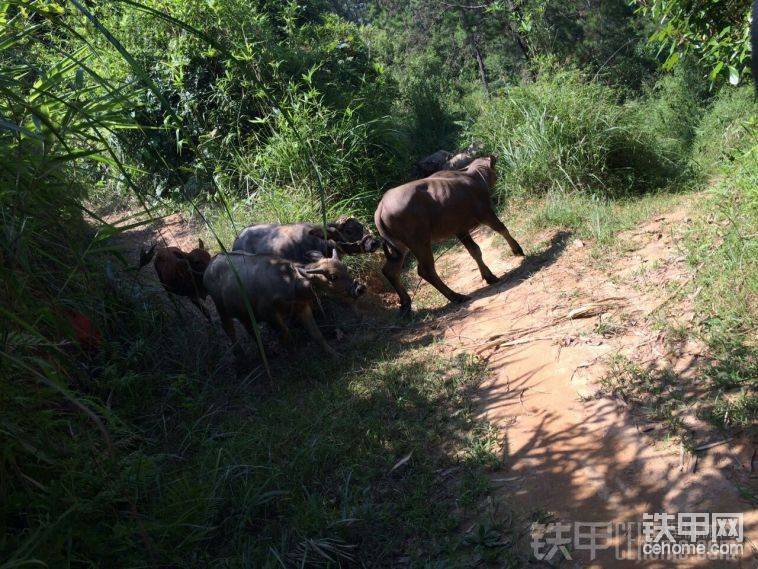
[[570, 453]]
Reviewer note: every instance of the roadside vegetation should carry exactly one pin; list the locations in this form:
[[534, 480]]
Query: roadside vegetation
[[130, 438]]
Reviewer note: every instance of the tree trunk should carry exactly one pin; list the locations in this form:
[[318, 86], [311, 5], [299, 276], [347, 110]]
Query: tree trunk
[[471, 38], [521, 41]]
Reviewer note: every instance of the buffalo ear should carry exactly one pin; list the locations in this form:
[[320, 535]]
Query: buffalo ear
[[200, 245], [314, 256]]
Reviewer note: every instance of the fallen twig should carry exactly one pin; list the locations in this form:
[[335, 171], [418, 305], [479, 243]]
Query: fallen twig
[[711, 445], [592, 309], [501, 344]]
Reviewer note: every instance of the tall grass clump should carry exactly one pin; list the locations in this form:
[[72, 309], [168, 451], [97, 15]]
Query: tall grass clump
[[567, 132], [61, 472], [723, 246], [722, 249], [668, 114], [352, 155], [727, 129]]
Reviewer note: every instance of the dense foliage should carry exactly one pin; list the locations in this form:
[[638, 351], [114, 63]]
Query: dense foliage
[[714, 32], [120, 442]]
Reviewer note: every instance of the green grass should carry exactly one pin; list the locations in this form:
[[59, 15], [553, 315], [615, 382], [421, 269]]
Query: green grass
[[319, 461], [568, 133], [657, 395], [723, 251], [598, 222], [224, 470]]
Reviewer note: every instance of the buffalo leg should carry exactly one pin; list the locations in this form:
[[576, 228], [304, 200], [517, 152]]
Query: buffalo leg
[[306, 317], [475, 252], [428, 272], [227, 323], [201, 308], [284, 332], [391, 269], [495, 224]]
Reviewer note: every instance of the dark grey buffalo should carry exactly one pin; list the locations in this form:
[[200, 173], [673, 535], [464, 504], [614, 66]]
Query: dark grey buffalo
[[293, 242], [275, 290], [444, 160], [446, 204]]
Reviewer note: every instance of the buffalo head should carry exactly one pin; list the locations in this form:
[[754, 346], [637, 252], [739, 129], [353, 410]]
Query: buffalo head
[[330, 275], [348, 235]]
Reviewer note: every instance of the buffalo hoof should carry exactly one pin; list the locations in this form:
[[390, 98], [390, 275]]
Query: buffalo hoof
[[405, 310], [518, 251], [459, 298], [492, 279]]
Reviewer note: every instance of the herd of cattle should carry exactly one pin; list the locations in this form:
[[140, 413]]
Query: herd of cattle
[[275, 271]]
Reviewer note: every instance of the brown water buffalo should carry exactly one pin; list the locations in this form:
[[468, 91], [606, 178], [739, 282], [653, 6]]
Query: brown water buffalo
[[416, 214], [275, 289], [293, 242], [181, 273]]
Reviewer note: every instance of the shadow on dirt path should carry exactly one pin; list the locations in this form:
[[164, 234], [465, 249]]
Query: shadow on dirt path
[[572, 454]]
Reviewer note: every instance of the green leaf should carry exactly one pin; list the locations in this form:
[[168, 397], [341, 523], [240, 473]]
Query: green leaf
[[716, 70], [734, 76]]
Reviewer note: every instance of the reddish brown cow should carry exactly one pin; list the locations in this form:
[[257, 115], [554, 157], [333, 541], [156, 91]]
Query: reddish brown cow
[[416, 214], [181, 273]]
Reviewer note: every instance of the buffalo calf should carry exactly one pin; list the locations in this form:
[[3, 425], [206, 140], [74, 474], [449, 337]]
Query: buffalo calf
[[295, 241], [181, 273], [275, 289]]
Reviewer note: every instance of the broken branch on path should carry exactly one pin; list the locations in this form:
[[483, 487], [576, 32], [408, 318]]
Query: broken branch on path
[[593, 308], [501, 344], [597, 307]]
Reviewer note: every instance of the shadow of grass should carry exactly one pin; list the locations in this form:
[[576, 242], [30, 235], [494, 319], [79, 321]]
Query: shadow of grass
[[374, 456]]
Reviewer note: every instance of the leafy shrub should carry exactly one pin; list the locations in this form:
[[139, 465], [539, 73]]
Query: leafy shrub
[[683, 25], [276, 58]]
